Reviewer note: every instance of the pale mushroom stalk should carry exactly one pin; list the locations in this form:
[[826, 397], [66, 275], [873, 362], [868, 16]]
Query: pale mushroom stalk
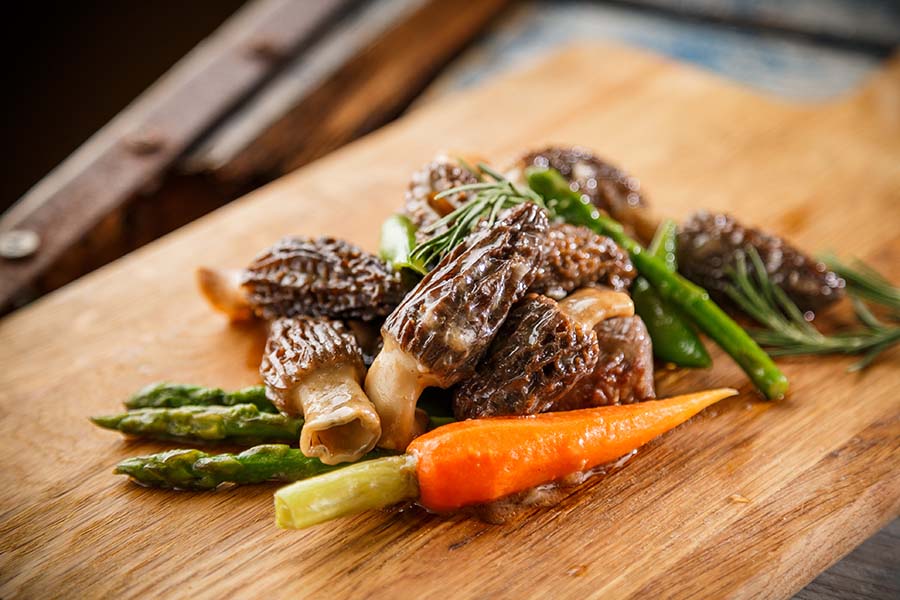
[[591, 305], [437, 335], [394, 383], [314, 367], [222, 289], [340, 423]]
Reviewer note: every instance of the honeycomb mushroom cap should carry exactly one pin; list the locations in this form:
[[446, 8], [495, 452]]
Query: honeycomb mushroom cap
[[623, 373], [537, 356], [439, 175], [606, 186], [448, 320], [575, 256], [709, 245], [320, 277], [298, 347]]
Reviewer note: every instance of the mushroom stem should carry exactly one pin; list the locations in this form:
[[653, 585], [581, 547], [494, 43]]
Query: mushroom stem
[[591, 305], [394, 383], [340, 424], [222, 289]]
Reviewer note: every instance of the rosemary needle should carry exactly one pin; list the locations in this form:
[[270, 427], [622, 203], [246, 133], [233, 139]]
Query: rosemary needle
[[786, 331], [866, 282], [490, 198]]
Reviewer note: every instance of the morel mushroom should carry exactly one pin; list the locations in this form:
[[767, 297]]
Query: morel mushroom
[[304, 276], [540, 352], [709, 246], [442, 328], [575, 256], [624, 370], [439, 175], [314, 367], [607, 187]]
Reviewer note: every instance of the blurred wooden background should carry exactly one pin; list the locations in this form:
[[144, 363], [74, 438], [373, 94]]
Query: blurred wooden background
[[102, 167], [277, 83]]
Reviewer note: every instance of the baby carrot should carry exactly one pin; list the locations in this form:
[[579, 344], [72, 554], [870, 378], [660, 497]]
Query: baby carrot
[[482, 460]]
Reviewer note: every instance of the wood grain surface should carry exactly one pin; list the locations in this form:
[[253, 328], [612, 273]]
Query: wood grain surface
[[820, 469]]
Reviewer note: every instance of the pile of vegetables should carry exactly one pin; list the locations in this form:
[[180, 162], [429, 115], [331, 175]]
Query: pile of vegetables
[[457, 464]]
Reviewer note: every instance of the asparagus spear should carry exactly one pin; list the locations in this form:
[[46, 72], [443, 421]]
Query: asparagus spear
[[242, 422], [173, 395], [197, 470]]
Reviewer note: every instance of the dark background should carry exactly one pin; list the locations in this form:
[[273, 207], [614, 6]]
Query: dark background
[[72, 66]]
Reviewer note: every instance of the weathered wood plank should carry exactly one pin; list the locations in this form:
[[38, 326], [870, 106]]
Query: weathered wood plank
[[818, 469], [872, 571], [351, 83], [146, 138]]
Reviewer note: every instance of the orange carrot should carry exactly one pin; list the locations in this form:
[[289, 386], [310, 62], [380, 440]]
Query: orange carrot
[[482, 460]]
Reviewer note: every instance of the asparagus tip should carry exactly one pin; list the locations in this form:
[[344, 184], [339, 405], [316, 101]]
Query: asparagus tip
[[106, 421]]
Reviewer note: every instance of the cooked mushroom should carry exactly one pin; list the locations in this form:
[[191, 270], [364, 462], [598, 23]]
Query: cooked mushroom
[[314, 367], [607, 187], [624, 371], [439, 175], [709, 245], [540, 352], [305, 276], [321, 277], [442, 328], [575, 256]]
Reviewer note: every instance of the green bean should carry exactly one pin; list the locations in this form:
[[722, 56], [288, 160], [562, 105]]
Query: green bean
[[674, 340], [398, 238], [664, 244]]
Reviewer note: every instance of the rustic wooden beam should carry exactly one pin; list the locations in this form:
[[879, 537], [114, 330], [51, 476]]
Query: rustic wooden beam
[[144, 140], [347, 85]]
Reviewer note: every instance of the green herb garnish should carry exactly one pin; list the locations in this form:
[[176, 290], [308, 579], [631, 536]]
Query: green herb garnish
[[865, 282], [786, 330], [490, 199]]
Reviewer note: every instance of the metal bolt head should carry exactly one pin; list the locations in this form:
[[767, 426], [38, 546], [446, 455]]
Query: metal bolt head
[[18, 243], [145, 141], [266, 50]]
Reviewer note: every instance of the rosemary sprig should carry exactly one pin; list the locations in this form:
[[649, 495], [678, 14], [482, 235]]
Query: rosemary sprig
[[865, 282], [489, 200], [787, 332]]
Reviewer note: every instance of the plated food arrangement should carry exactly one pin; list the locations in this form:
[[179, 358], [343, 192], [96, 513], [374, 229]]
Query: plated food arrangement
[[503, 340]]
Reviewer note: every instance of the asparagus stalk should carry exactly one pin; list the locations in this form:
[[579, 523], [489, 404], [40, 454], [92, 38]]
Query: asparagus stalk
[[173, 395], [364, 486], [196, 470], [242, 423], [693, 300]]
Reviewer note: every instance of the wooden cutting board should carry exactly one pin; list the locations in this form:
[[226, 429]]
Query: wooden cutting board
[[748, 499]]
